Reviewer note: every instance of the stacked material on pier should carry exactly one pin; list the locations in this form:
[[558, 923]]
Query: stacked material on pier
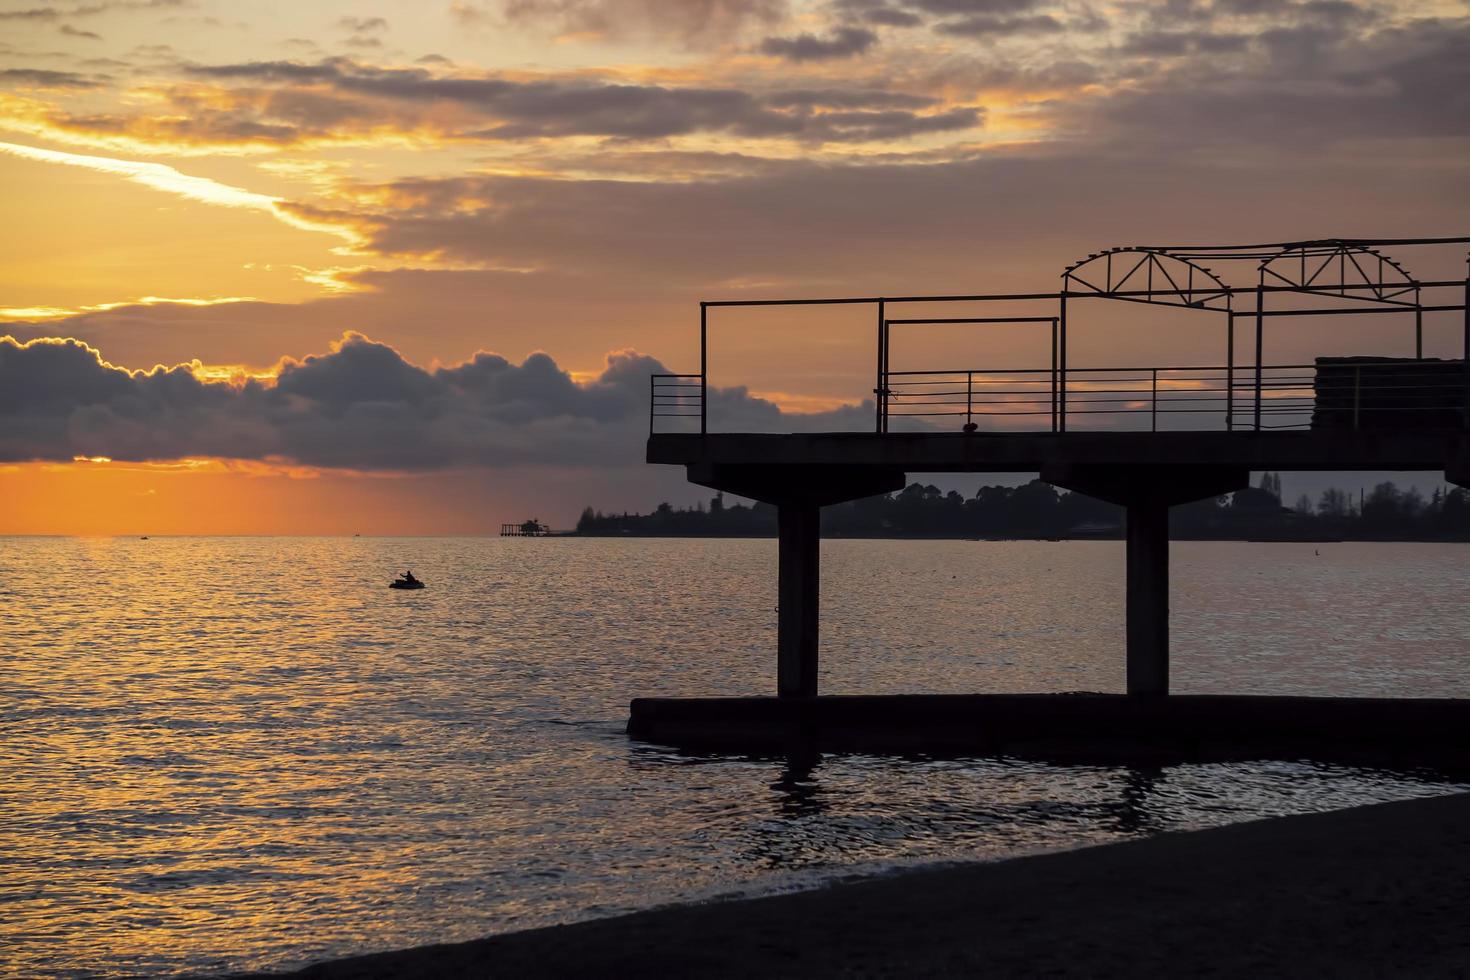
[[1388, 393]]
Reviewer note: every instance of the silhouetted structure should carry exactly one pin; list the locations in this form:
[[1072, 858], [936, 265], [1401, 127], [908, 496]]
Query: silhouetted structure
[[1144, 438], [525, 529]]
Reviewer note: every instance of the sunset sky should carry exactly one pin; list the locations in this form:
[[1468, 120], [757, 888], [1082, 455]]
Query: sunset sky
[[404, 267]]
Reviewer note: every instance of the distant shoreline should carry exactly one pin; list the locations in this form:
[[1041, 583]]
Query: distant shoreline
[[1019, 537], [1037, 511], [1366, 892]]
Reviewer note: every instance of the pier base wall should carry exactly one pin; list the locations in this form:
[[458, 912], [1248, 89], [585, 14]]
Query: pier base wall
[[1104, 728]]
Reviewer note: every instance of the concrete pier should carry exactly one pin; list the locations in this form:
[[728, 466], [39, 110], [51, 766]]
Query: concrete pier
[[1146, 437]]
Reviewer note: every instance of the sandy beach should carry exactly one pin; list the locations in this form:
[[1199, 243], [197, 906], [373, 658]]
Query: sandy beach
[[1368, 892]]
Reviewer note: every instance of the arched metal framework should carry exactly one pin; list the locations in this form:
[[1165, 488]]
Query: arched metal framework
[[1341, 268], [1332, 268], [1164, 278]]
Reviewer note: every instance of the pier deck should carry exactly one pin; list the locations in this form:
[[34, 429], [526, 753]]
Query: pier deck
[[1039, 452]]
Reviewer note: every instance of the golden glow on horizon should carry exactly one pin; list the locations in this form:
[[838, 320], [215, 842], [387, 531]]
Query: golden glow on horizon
[[238, 497]]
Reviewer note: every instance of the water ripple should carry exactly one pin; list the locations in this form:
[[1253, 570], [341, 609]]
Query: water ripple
[[230, 754]]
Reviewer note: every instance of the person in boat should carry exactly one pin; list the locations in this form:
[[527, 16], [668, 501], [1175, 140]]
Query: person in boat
[[408, 577]]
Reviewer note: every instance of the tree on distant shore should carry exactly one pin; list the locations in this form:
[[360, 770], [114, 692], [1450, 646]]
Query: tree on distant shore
[[1039, 510]]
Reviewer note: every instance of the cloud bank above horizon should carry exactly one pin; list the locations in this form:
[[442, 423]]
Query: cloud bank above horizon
[[359, 406]]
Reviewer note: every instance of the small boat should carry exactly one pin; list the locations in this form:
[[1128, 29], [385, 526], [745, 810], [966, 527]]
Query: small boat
[[405, 583]]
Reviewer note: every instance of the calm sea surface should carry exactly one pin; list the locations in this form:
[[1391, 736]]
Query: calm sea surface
[[246, 753]]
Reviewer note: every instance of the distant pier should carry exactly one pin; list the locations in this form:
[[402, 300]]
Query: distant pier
[[525, 529], [1143, 437]]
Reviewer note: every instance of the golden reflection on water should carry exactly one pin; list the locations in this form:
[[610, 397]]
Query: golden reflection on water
[[242, 753]]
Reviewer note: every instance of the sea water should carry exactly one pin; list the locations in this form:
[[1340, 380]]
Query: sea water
[[248, 753]]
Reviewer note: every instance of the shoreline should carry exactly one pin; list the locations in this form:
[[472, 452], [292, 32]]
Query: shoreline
[[1381, 890]]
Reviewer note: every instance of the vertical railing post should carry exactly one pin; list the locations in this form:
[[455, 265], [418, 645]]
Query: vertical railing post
[[703, 368], [1260, 332], [1465, 350], [1229, 364], [1062, 358], [1357, 393], [651, 396], [1053, 374], [1418, 325], [969, 399], [1153, 418], [880, 386]]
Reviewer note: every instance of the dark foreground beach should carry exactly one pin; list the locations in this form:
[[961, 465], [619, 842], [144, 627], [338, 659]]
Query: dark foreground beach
[[1369, 892]]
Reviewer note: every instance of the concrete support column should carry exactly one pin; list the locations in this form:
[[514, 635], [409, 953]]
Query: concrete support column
[[1146, 492], [1148, 598], [799, 591], [798, 491]]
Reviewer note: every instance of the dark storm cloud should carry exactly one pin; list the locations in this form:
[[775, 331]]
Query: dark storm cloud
[[891, 17], [42, 78], [842, 43], [360, 407], [1313, 84], [690, 22], [971, 7], [54, 13], [362, 25], [991, 26], [313, 98], [1198, 13], [363, 31], [1165, 44], [31, 13], [855, 98]]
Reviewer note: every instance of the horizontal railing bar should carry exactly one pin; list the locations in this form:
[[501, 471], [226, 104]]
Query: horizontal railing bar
[[977, 319], [1273, 249], [938, 414], [1071, 294], [1144, 367], [1342, 310], [1240, 370], [1080, 395]]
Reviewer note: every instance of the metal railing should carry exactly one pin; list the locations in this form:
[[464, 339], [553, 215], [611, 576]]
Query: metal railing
[[1193, 398], [674, 396], [1351, 395]]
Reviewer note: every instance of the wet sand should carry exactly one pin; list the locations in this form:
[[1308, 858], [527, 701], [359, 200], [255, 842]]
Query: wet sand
[[1369, 892]]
